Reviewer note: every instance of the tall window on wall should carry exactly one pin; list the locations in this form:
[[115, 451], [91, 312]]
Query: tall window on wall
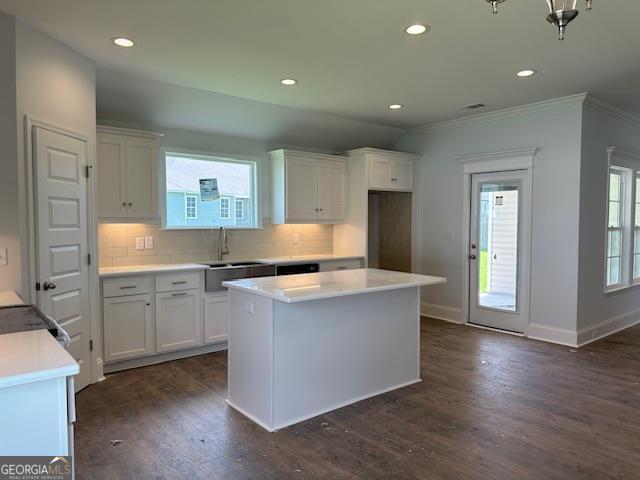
[[623, 221], [201, 191]]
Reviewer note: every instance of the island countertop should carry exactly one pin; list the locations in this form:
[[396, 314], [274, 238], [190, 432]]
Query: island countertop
[[315, 286]]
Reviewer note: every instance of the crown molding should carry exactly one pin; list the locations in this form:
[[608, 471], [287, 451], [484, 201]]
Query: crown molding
[[389, 153], [128, 131], [517, 159], [612, 109], [504, 113]]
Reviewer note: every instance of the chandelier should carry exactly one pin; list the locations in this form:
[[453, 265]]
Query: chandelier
[[561, 12]]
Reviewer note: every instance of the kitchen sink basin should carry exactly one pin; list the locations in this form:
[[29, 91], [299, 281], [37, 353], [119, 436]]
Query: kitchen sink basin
[[220, 272]]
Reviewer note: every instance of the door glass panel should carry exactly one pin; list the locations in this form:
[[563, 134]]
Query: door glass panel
[[498, 245]]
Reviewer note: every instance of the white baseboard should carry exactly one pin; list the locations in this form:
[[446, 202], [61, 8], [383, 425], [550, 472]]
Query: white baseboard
[[546, 333], [441, 312], [607, 327]]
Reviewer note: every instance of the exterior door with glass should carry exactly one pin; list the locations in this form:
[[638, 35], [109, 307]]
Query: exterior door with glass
[[499, 250]]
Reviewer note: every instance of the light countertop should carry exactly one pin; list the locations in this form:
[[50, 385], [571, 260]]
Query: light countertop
[[315, 286], [180, 267], [141, 269], [33, 356], [10, 299]]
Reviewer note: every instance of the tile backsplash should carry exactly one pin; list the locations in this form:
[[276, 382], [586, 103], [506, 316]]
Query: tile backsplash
[[117, 243]]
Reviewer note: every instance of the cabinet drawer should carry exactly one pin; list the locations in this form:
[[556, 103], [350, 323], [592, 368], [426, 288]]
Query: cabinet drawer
[[177, 281], [340, 265], [118, 287]]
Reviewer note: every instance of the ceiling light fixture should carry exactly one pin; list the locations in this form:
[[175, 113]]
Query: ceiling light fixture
[[395, 106], [526, 73], [288, 81], [561, 12], [123, 42], [417, 29]]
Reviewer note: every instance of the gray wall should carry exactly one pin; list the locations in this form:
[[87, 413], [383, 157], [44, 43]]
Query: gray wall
[[55, 85], [555, 130], [9, 218], [601, 129]]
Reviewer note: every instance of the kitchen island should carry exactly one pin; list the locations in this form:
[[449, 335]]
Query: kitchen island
[[303, 345]]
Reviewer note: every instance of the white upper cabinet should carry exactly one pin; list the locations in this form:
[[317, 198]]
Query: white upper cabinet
[[127, 174], [307, 187], [389, 172]]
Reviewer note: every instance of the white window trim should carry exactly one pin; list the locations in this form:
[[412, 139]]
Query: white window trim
[[629, 164], [256, 187], [186, 207], [228, 216]]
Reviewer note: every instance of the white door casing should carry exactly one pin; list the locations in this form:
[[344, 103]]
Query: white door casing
[[501, 161], [61, 239]]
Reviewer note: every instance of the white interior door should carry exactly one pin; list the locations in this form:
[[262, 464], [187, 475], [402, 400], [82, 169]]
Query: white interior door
[[499, 250], [60, 191]]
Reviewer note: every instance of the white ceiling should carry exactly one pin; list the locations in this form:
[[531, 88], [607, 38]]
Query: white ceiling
[[351, 56]]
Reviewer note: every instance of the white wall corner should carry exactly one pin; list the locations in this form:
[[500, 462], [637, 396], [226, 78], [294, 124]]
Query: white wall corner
[[546, 333], [607, 327], [442, 312]]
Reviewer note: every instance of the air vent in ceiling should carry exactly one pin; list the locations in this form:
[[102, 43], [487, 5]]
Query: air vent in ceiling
[[475, 106]]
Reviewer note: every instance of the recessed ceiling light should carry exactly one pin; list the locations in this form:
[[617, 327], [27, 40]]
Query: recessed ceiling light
[[395, 106], [417, 29], [123, 42], [526, 73], [288, 81]]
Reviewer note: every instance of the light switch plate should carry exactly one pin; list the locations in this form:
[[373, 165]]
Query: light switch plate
[[4, 260], [139, 243], [148, 242], [447, 235]]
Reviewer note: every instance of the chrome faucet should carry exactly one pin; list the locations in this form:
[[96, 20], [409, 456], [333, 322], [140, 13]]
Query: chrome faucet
[[223, 243]]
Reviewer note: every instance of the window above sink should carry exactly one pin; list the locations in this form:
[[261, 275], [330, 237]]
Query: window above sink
[[209, 191]]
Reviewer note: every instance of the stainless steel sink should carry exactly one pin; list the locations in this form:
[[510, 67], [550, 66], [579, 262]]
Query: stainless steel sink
[[219, 272]]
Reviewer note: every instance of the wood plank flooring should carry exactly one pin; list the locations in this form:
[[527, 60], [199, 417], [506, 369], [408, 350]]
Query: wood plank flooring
[[491, 406]]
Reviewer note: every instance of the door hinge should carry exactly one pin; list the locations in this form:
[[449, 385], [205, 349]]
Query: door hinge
[[87, 170], [91, 345], [88, 259]]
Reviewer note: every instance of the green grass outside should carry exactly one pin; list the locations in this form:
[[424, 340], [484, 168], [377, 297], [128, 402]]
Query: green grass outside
[[484, 267]]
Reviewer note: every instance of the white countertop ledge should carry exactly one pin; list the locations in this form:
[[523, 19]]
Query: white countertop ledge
[[316, 286], [33, 356], [142, 269]]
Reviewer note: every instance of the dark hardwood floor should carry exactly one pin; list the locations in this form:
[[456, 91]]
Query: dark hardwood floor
[[491, 406]]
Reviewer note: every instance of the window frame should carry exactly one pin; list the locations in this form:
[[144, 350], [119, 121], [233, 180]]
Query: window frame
[[255, 162], [628, 166], [186, 206], [228, 208]]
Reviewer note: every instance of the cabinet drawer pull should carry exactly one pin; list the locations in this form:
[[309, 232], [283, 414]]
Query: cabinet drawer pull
[[179, 294], [179, 283], [128, 287]]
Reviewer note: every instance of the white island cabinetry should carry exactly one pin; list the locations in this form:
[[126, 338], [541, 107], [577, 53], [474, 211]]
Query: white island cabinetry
[[303, 345]]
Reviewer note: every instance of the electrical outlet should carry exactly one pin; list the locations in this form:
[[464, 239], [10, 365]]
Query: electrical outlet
[[148, 242], [139, 243], [447, 235], [4, 260], [296, 239]]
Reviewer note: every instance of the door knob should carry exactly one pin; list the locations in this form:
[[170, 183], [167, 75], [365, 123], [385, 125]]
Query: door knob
[[472, 257], [48, 285]]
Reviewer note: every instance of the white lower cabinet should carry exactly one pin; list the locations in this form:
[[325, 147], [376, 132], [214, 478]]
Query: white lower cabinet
[[216, 317], [178, 320], [128, 327]]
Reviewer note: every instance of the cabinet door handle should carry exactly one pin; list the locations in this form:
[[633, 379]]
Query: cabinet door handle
[[182, 282], [128, 287], [124, 204], [130, 204], [179, 294]]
